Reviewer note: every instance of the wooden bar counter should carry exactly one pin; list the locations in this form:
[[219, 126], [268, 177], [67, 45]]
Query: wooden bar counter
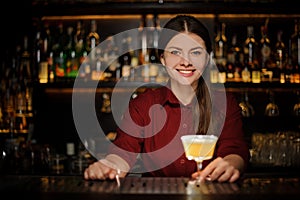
[[250, 186]]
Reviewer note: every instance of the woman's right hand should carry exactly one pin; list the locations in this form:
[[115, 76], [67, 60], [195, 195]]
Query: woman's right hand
[[100, 171]]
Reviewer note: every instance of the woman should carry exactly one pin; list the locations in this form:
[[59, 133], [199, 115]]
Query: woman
[[155, 120]]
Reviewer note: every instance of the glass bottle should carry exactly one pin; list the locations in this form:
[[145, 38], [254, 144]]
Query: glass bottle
[[40, 59], [93, 39], [25, 68], [142, 37], [295, 44], [125, 59], [79, 39], [246, 75], [110, 59], [221, 45], [250, 55], [20, 109], [155, 35], [280, 50], [70, 157], [265, 47], [48, 40], [280, 53], [69, 43], [69, 48], [234, 57], [288, 67], [153, 54], [59, 55]]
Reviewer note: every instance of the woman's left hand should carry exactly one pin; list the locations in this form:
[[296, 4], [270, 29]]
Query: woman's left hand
[[221, 170]]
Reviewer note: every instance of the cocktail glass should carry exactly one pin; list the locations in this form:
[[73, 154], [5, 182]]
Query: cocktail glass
[[199, 147]]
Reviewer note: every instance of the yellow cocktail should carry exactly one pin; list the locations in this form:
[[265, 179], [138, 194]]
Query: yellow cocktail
[[199, 147]]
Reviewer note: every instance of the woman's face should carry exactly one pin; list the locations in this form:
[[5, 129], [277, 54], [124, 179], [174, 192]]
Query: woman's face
[[185, 58]]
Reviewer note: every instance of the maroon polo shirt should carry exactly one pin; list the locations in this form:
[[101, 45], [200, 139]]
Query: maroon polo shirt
[[154, 126]]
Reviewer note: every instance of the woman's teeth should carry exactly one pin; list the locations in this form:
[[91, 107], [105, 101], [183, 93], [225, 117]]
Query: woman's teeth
[[185, 71]]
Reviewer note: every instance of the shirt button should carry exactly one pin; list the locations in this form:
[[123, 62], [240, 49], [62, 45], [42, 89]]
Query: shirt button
[[184, 125], [182, 161]]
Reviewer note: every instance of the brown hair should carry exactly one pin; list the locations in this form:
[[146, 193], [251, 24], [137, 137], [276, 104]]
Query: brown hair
[[186, 23]]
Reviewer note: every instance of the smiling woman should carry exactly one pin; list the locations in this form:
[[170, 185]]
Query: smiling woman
[[155, 120], [186, 54]]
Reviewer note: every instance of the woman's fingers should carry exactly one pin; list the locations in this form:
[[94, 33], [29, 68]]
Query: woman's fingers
[[100, 171], [218, 170]]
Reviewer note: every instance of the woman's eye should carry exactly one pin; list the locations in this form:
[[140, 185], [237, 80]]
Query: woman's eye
[[196, 53], [176, 52]]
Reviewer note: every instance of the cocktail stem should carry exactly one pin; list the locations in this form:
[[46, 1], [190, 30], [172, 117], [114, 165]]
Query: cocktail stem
[[199, 164]]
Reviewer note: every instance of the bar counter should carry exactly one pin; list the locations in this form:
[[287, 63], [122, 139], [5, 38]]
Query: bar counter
[[250, 186]]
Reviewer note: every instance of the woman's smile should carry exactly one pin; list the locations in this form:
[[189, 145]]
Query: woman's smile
[[186, 72]]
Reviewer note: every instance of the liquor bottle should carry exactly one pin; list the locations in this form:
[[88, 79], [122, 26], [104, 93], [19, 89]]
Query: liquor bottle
[[47, 36], [295, 43], [26, 74], [84, 71], [94, 52], [295, 51], [265, 48], [250, 55], [235, 57], [234, 53], [110, 59], [72, 63], [125, 59], [221, 46], [246, 74], [79, 39], [134, 63], [81, 50], [59, 55], [51, 68], [37, 51], [25, 62], [21, 119], [48, 40], [41, 56], [9, 96], [93, 39], [96, 62], [153, 50], [70, 157], [143, 45], [153, 47], [250, 47], [280, 53]]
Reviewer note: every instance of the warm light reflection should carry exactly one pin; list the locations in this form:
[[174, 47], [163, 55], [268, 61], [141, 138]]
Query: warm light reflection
[[167, 16], [135, 16]]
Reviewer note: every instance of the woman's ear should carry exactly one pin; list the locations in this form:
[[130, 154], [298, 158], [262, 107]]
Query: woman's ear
[[162, 59]]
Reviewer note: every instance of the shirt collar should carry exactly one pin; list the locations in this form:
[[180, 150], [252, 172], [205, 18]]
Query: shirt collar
[[167, 96]]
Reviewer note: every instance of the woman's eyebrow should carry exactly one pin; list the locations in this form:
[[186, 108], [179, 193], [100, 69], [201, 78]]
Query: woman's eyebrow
[[199, 47], [174, 48], [192, 49]]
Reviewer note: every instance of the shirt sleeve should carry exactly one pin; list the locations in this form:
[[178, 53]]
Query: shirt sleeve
[[232, 139], [129, 140]]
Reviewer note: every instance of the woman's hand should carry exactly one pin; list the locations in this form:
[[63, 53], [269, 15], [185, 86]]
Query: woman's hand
[[99, 170], [222, 169]]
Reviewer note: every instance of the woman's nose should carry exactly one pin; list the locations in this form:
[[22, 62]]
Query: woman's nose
[[185, 61]]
